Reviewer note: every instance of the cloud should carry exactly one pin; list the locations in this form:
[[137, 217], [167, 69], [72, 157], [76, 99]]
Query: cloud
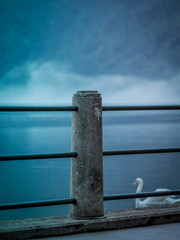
[[52, 84]]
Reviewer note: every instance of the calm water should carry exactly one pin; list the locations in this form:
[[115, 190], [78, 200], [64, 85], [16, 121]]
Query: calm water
[[33, 180]]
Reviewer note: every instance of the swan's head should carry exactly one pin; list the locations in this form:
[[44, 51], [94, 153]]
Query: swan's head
[[138, 181]]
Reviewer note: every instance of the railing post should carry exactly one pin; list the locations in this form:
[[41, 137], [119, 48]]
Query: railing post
[[87, 168]]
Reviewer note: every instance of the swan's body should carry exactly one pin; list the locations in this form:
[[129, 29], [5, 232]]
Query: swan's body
[[153, 200]]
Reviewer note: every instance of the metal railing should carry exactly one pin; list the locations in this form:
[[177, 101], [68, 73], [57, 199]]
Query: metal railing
[[141, 151], [44, 203], [37, 156], [73, 200], [75, 154], [37, 108], [140, 108], [139, 195]]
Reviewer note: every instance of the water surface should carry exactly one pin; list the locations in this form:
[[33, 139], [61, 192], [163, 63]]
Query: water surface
[[31, 180]]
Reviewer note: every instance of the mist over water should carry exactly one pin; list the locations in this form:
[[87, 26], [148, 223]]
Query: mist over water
[[49, 83]]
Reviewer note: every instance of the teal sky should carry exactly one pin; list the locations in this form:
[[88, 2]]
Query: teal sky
[[127, 50]]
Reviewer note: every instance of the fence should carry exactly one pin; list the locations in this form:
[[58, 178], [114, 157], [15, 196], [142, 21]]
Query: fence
[[86, 197]]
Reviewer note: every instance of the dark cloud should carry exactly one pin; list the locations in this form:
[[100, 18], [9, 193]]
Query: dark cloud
[[49, 48], [50, 84]]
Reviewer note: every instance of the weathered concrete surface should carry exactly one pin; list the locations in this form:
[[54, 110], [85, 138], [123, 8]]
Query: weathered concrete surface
[[87, 168], [157, 232], [58, 226]]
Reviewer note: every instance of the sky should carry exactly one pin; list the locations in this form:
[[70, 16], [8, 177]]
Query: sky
[[126, 50]]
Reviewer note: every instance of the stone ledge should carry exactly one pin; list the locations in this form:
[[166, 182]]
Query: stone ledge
[[63, 225]]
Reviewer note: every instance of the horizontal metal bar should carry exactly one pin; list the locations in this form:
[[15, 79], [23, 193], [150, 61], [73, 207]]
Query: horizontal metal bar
[[141, 151], [139, 195], [37, 108], [74, 154], [138, 108], [43, 203], [37, 156], [75, 108]]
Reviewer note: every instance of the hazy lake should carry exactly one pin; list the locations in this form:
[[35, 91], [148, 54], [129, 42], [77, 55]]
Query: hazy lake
[[46, 179]]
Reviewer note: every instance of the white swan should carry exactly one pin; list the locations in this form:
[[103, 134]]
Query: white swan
[[153, 200]]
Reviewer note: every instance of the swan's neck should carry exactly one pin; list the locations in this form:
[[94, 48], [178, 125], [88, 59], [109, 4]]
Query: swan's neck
[[139, 189]]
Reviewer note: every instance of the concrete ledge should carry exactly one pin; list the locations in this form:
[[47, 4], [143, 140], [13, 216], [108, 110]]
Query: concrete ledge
[[58, 226]]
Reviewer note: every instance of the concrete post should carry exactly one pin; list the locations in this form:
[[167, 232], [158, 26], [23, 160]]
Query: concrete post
[[87, 168]]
